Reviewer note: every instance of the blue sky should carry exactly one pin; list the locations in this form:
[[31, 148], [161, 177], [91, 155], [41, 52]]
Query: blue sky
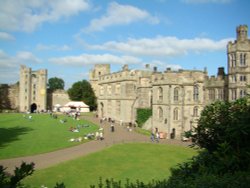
[[68, 37]]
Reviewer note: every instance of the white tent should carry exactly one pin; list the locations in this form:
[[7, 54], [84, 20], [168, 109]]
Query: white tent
[[75, 105]]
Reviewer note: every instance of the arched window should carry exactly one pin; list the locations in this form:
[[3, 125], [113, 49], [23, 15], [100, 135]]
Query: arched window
[[195, 111], [220, 94], [176, 114], [160, 113], [160, 94], [233, 60], [196, 93], [176, 94], [211, 94], [242, 93], [243, 59]]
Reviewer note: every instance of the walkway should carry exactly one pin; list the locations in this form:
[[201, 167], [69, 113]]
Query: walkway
[[121, 135]]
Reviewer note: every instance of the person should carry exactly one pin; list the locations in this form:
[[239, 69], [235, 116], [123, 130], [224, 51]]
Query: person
[[97, 135], [152, 137], [157, 136], [112, 127], [101, 136]]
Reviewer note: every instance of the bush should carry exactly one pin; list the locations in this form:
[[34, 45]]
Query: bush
[[142, 115]]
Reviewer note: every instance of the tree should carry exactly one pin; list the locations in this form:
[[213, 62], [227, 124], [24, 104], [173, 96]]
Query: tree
[[55, 83], [82, 91]]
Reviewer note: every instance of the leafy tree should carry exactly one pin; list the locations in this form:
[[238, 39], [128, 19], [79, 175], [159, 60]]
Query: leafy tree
[[13, 181], [55, 83], [82, 91]]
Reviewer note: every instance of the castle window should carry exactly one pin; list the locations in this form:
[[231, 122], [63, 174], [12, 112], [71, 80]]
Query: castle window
[[234, 94], [233, 60], [195, 111], [211, 94], [176, 114], [220, 94], [242, 59], [101, 90], [176, 94], [242, 93], [118, 89], [109, 89], [243, 78], [160, 113], [196, 93], [160, 94]]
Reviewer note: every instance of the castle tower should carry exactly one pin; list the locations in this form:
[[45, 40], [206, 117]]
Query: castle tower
[[99, 70], [32, 90], [238, 53]]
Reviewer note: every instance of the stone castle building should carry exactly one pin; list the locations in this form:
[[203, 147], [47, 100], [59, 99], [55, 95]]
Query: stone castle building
[[176, 97], [32, 90]]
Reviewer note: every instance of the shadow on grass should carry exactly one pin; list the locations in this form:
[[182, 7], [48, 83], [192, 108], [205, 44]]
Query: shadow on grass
[[8, 135]]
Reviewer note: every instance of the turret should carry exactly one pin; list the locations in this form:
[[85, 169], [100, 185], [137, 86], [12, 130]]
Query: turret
[[242, 32]]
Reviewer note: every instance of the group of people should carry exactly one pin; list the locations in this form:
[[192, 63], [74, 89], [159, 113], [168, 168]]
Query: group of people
[[155, 135], [99, 134]]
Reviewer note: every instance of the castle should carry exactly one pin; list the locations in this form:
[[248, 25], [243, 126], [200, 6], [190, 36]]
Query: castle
[[175, 97]]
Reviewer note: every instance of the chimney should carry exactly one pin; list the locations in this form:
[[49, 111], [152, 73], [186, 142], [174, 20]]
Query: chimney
[[155, 69]]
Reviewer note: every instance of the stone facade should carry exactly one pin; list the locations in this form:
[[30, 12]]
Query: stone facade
[[176, 97], [32, 90]]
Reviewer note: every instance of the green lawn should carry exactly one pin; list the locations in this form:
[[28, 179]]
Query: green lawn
[[134, 161], [21, 137]]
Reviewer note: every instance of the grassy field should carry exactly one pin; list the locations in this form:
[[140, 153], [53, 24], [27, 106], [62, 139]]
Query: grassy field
[[21, 137], [134, 161]]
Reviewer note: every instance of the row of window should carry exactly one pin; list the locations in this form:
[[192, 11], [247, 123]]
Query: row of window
[[176, 96], [212, 95], [176, 113], [242, 78], [242, 93], [232, 59], [109, 90]]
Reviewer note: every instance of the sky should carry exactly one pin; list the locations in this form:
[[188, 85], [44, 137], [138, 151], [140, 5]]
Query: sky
[[68, 37]]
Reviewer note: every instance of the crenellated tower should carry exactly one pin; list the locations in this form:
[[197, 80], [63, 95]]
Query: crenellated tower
[[238, 53]]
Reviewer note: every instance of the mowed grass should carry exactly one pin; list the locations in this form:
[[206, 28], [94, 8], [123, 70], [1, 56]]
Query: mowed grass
[[21, 137], [143, 161]]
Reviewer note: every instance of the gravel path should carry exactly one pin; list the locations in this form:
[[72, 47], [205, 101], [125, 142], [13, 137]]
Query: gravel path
[[121, 135]]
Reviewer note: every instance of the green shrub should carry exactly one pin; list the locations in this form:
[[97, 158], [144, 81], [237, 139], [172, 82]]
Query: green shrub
[[142, 115]]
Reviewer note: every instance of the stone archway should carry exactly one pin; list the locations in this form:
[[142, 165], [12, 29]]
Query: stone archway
[[33, 107]]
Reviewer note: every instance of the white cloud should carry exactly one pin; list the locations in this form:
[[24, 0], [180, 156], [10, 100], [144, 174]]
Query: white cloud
[[9, 65], [29, 14], [27, 57], [162, 46], [88, 59], [118, 14], [206, 1], [42, 47], [6, 36]]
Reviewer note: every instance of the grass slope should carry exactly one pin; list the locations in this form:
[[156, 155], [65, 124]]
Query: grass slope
[[134, 161], [21, 137]]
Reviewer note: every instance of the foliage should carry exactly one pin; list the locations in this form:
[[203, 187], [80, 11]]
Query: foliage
[[55, 83], [142, 115], [223, 132], [12, 181], [4, 99], [82, 91]]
